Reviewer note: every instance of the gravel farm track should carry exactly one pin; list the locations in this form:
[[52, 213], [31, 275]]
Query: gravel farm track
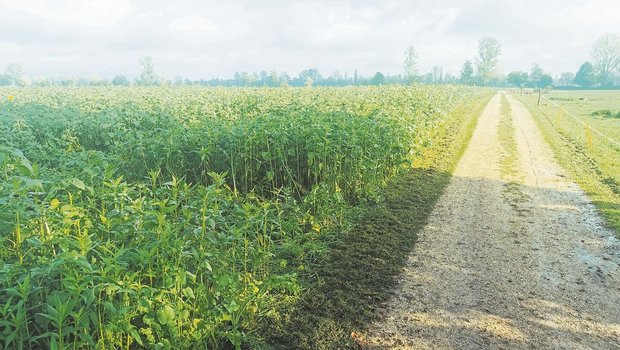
[[518, 260]]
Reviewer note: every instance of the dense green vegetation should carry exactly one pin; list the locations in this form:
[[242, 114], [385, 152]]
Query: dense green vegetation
[[358, 275], [592, 159], [162, 218]]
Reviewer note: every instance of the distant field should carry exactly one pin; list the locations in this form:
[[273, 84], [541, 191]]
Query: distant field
[[583, 127], [586, 104]]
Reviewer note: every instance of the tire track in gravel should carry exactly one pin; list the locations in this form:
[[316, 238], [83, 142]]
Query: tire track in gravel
[[518, 261]]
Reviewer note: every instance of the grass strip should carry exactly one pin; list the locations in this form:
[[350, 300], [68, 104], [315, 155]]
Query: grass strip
[[505, 133], [509, 160]]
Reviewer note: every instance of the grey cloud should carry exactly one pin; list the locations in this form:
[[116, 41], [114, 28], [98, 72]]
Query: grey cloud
[[223, 37]]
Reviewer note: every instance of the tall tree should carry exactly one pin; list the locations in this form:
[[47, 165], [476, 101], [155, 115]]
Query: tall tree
[[248, 79], [410, 63], [467, 73], [147, 75], [15, 71], [545, 80], [120, 80], [437, 74], [517, 79], [273, 78], [310, 76], [378, 79], [535, 74], [284, 78], [585, 77], [567, 78], [487, 61], [606, 56]]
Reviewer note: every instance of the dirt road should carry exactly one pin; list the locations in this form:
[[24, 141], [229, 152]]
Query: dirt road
[[511, 258]]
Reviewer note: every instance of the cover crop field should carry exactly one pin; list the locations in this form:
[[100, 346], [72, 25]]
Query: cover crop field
[[161, 217]]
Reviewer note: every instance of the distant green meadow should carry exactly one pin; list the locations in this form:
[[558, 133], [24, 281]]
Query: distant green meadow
[[591, 158]]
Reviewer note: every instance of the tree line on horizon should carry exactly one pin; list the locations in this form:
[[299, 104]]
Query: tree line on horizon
[[602, 71]]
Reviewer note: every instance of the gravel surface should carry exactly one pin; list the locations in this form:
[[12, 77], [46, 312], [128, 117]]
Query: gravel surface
[[519, 261]]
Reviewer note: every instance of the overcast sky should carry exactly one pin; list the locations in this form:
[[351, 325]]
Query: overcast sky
[[205, 39]]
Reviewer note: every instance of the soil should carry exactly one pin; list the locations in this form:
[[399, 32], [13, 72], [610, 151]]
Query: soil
[[508, 260]]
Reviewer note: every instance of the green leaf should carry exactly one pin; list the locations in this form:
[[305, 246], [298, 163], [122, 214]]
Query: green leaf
[[189, 292], [53, 343], [83, 263], [33, 184], [34, 241], [25, 168], [191, 276], [78, 183], [232, 307], [223, 280], [165, 315], [184, 315], [135, 335], [266, 155]]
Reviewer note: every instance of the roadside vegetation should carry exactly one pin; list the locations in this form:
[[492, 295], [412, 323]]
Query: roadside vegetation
[[592, 159], [179, 218], [358, 275]]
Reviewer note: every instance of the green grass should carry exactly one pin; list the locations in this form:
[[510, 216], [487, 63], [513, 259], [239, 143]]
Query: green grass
[[585, 104], [594, 165], [359, 273], [509, 160], [505, 133]]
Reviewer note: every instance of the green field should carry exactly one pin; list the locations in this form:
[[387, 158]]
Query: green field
[[583, 127], [592, 106], [204, 218]]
